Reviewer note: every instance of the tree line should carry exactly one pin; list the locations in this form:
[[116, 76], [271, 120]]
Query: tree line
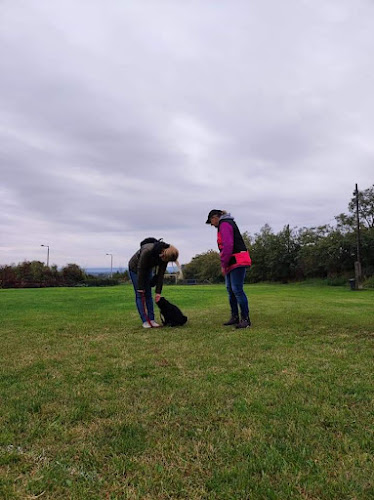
[[36, 274], [297, 254], [291, 254]]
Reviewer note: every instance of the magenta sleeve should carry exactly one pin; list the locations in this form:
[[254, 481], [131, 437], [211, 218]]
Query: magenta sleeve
[[227, 235]]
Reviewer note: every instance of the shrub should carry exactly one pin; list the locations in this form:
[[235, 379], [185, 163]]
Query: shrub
[[369, 282], [337, 280]]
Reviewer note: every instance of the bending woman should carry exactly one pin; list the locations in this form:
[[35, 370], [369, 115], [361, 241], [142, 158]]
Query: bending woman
[[147, 268]]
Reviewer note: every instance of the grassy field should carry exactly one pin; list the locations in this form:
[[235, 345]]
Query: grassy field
[[95, 407]]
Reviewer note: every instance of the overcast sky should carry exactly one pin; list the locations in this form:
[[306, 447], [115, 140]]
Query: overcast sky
[[122, 119]]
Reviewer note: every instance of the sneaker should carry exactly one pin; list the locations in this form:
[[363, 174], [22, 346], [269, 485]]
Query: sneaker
[[146, 325], [244, 323], [234, 320], [154, 324]]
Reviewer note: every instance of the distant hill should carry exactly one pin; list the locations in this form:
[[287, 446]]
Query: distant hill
[[97, 271]]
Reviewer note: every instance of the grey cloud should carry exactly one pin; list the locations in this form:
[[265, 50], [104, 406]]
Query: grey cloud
[[136, 118]]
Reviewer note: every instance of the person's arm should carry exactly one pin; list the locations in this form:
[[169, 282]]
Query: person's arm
[[227, 235], [144, 266], [160, 279]]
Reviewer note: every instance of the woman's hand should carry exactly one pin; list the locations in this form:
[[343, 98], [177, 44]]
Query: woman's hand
[[157, 297], [142, 292]]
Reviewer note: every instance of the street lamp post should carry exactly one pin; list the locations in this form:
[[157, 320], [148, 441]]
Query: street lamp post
[[111, 264], [47, 253], [358, 271]]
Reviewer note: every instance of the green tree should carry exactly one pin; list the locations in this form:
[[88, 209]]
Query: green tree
[[274, 256], [8, 277], [365, 211], [260, 270], [248, 240], [121, 276], [30, 274], [204, 267], [347, 223], [365, 207], [52, 276], [73, 275], [325, 251]]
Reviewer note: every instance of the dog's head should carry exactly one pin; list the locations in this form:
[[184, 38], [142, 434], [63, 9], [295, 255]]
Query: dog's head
[[162, 302]]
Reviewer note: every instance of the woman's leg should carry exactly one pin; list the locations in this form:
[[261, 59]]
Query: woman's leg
[[138, 298], [236, 277], [149, 300], [232, 298]]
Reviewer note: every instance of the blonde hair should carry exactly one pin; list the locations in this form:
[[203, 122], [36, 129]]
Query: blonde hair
[[170, 254]]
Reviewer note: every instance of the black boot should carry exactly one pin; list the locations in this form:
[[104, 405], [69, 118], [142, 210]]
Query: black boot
[[234, 320], [244, 323]]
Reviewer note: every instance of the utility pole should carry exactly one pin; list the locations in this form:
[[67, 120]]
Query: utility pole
[[111, 264], [47, 253], [358, 273]]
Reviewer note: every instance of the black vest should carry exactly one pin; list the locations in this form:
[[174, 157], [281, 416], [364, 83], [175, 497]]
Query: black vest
[[239, 245]]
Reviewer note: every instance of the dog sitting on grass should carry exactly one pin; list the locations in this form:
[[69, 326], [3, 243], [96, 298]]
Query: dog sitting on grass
[[170, 314]]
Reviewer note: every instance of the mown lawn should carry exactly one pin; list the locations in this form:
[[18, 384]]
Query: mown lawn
[[95, 407]]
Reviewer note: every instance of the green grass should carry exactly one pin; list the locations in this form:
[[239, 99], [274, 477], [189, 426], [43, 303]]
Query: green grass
[[93, 406]]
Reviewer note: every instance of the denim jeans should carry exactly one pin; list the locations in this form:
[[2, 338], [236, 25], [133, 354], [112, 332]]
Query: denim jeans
[[148, 297], [237, 297]]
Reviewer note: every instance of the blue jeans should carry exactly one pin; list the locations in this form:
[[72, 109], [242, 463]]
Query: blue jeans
[[148, 297], [237, 297]]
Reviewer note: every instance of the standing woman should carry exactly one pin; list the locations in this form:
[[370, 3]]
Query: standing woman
[[234, 260], [153, 255]]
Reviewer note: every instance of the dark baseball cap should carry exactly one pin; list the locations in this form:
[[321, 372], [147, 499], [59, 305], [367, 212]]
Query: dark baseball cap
[[212, 213]]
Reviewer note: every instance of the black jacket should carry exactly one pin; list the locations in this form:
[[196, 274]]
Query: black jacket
[[144, 260]]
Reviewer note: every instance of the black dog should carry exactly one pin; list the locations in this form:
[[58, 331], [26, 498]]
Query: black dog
[[170, 314]]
